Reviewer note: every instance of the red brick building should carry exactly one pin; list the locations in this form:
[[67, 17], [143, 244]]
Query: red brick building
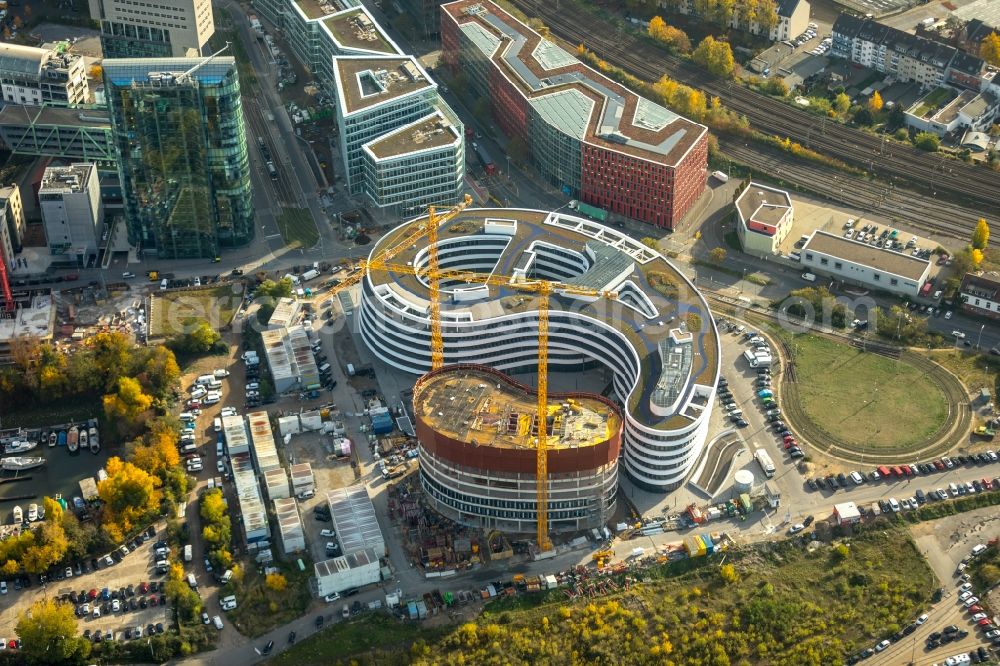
[[585, 133]]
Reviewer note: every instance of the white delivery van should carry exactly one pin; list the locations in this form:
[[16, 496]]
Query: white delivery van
[[217, 424], [204, 379], [192, 581], [809, 277], [188, 556], [163, 284], [213, 384]]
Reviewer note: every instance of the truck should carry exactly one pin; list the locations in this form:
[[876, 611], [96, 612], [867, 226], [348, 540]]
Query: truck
[[188, 553], [765, 462], [256, 25], [985, 431], [310, 274], [721, 176], [593, 212], [484, 159]]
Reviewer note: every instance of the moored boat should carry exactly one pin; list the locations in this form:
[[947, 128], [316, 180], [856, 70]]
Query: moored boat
[[53, 437], [62, 438], [19, 463], [83, 437], [18, 515], [95, 441], [19, 446], [32, 512], [72, 439]]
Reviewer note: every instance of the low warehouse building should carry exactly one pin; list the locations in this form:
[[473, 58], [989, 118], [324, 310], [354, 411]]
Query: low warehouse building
[[293, 537], [862, 264], [290, 358], [355, 569], [847, 513], [354, 520]]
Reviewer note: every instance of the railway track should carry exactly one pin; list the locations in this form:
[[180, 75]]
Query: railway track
[[977, 187], [870, 197]]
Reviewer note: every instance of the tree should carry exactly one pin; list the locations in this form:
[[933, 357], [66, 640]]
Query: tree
[[96, 72], [862, 116], [767, 15], [280, 289], [981, 236], [717, 255], [128, 403], [53, 510], [673, 37], [715, 56], [198, 338], [185, 600], [49, 633], [977, 257], [213, 507], [160, 372], [157, 452], [129, 494], [276, 582], [728, 574], [989, 49], [927, 141], [875, 103]]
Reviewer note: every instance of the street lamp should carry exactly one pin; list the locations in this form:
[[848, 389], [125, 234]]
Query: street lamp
[[980, 339]]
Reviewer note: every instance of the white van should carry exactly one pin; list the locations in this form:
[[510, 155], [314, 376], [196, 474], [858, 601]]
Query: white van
[[163, 284], [204, 379], [217, 424], [809, 277], [190, 447], [213, 384], [226, 577], [192, 581], [221, 373], [187, 438], [187, 416], [211, 398]]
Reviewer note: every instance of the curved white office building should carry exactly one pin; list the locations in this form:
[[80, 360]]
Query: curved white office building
[[657, 336]]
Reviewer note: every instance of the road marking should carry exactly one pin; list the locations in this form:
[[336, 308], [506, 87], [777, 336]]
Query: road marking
[[272, 236]]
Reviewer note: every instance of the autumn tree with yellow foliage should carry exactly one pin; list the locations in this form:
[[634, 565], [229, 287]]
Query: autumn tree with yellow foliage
[[673, 37], [49, 635], [981, 235], [715, 56], [130, 496], [875, 103], [989, 49]]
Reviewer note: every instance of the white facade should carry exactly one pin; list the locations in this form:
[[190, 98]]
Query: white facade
[[164, 28], [353, 570], [276, 484], [858, 263], [660, 450], [72, 211], [251, 507], [290, 530], [764, 218], [37, 76], [302, 477]]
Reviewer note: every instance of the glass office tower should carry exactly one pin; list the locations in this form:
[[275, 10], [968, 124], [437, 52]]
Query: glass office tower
[[182, 153]]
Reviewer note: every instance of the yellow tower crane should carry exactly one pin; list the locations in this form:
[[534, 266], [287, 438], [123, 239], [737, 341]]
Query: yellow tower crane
[[544, 289], [429, 228]]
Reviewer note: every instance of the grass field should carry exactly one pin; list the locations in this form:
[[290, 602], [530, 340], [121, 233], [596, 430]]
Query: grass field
[[298, 228], [172, 309], [782, 604], [865, 400]]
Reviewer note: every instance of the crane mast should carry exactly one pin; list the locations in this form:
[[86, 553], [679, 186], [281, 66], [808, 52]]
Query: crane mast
[[542, 461]]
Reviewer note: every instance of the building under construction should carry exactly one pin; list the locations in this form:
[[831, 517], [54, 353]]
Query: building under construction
[[478, 437]]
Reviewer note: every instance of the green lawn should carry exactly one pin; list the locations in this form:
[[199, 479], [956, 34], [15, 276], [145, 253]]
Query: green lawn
[[786, 605], [933, 100], [298, 228], [214, 304], [261, 609], [865, 400]]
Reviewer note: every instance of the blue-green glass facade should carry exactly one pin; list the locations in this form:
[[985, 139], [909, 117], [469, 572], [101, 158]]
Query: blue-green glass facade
[[182, 153]]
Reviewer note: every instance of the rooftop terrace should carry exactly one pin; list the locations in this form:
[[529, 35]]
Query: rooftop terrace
[[356, 30]]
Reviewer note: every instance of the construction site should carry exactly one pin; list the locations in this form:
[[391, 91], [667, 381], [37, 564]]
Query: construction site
[[478, 438]]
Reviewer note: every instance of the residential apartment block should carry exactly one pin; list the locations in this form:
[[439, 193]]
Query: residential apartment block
[[182, 153], [904, 56], [945, 110], [30, 75], [793, 18], [72, 213], [980, 295], [586, 134], [401, 145], [160, 29]]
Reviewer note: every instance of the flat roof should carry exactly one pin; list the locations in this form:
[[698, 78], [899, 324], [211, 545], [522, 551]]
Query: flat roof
[[21, 114], [252, 510], [367, 81], [879, 259], [354, 519], [314, 9], [284, 312], [469, 405], [433, 131], [617, 119], [37, 321], [653, 296], [355, 29], [264, 451], [763, 203]]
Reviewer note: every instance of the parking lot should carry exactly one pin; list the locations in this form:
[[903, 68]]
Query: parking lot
[[134, 568]]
